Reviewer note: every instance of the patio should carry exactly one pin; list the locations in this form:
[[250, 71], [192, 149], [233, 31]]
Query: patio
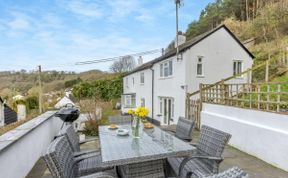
[[233, 157]]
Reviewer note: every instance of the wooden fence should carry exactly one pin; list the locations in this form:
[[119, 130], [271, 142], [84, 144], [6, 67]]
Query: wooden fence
[[272, 97], [193, 111]]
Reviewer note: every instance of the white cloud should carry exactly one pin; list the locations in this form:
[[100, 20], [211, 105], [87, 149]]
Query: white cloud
[[19, 22], [84, 8]]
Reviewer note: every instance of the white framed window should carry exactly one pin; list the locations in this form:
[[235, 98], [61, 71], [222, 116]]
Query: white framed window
[[237, 67], [133, 80], [128, 100], [142, 79], [166, 69], [200, 66], [143, 102]]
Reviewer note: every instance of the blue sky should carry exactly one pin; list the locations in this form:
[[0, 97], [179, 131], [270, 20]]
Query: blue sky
[[58, 33]]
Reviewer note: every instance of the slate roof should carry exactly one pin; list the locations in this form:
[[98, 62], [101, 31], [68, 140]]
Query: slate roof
[[186, 46]]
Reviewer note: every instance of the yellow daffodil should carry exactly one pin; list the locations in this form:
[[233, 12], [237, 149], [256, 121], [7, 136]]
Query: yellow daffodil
[[131, 111], [142, 112]]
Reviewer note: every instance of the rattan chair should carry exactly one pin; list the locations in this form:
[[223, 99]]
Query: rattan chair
[[207, 158], [62, 163], [120, 119], [234, 172], [75, 143], [184, 129]]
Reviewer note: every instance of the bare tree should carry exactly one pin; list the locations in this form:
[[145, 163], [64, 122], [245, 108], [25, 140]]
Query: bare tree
[[125, 64]]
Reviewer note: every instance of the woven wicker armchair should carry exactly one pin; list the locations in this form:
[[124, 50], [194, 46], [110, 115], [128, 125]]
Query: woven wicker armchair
[[75, 143], [234, 172], [184, 129], [62, 163], [120, 119], [207, 157]]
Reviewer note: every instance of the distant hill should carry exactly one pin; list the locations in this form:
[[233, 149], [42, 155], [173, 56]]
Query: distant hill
[[22, 81]]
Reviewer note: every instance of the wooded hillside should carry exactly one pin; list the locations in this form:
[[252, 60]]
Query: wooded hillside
[[265, 22]]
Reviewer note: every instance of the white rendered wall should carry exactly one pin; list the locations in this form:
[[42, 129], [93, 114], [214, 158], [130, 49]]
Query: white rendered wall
[[219, 50], [21, 112], [170, 87], [261, 134], [21, 147], [141, 90]]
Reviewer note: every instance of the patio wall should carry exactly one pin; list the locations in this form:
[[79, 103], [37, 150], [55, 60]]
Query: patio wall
[[21, 147], [261, 134]]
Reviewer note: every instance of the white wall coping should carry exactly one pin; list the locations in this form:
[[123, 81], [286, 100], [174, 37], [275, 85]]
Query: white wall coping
[[16, 134]]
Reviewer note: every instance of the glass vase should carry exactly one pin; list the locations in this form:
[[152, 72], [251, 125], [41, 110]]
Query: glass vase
[[136, 127]]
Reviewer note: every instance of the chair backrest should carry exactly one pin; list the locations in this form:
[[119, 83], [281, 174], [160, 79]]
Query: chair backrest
[[234, 172], [72, 136], [59, 159], [212, 143], [184, 129], [119, 119]]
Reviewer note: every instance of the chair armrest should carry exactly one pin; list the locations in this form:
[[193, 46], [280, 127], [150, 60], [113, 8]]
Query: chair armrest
[[88, 140], [80, 153], [78, 159], [183, 163], [193, 144], [168, 129], [101, 175]]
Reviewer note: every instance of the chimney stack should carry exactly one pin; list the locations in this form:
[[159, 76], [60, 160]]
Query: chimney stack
[[181, 39], [140, 61]]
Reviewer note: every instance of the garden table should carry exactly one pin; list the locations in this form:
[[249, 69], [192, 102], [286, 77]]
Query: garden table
[[144, 156]]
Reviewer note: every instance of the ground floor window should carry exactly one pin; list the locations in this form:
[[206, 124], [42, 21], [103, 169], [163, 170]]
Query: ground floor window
[[143, 102], [128, 100]]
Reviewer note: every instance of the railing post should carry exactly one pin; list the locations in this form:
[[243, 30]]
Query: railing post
[[267, 71], [201, 92], [187, 110]]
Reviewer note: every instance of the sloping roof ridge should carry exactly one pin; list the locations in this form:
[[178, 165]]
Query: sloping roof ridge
[[186, 45]]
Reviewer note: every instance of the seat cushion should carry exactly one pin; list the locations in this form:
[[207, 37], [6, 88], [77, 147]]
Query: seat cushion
[[195, 166], [91, 165]]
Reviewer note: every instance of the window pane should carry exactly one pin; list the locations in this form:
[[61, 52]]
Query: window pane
[[133, 99], [170, 67], [143, 102], [166, 72], [141, 77], [234, 68], [161, 106], [239, 67], [199, 69], [161, 70]]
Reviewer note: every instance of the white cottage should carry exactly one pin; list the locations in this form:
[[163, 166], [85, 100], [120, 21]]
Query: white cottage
[[162, 84]]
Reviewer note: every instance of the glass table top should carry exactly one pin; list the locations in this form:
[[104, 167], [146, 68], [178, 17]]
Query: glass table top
[[153, 144]]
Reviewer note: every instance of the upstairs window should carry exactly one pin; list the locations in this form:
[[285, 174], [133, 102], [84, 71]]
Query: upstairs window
[[237, 67], [166, 69], [200, 66], [142, 78], [127, 82], [133, 80]]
